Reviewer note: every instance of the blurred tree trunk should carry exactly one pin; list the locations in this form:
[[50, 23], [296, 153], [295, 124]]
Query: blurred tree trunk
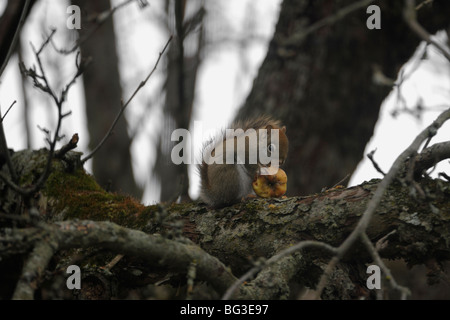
[[103, 94], [180, 87], [322, 86], [9, 22], [8, 25]]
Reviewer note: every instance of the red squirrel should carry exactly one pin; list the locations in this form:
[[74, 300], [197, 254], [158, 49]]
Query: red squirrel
[[223, 184]]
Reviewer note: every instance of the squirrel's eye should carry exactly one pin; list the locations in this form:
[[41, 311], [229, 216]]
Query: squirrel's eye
[[271, 147]]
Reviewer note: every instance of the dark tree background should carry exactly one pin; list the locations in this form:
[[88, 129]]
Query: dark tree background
[[322, 85], [103, 95], [180, 88]]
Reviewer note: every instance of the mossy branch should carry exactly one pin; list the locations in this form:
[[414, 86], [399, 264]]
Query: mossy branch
[[228, 239]]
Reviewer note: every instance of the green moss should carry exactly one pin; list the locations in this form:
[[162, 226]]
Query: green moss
[[253, 207], [79, 196], [146, 215]]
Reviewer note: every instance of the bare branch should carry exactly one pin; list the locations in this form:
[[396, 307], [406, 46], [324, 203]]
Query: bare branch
[[155, 249], [398, 163], [376, 257], [41, 82], [34, 269], [72, 144], [299, 36], [284, 253], [423, 3], [124, 106], [410, 17], [4, 152], [375, 164], [431, 156], [99, 19], [361, 227], [3, 117]]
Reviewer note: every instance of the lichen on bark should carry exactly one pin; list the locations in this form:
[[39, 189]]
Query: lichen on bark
[[254, 229]]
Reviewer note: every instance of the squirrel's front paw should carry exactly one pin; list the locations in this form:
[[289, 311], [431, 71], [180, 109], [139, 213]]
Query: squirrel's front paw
[[248, 197]]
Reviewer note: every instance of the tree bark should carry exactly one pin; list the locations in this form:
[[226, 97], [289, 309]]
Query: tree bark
[[233, 237], [9, 23]]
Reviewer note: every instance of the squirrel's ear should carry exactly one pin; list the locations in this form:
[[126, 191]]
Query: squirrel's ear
[[269, 127], [283, 129]]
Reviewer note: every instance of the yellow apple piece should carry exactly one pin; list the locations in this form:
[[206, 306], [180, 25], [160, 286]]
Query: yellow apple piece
[[271, 184]]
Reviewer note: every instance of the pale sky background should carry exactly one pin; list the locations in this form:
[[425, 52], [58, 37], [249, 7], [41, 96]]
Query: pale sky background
[[222, 85]]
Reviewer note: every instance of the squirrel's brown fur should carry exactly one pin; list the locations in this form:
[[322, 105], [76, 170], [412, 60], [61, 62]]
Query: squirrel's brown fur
[[225, 184]]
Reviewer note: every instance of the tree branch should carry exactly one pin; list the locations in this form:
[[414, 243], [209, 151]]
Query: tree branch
[[41, 82], [99, 19], [16, 36], [360, 229], [297, 37], [259, 228], [155, 249], [4, 152], [72, 144], [377, 259], [430, 156], [124, 106], [411, 19], [33, 271]]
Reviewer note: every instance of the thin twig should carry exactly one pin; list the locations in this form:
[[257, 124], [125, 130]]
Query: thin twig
[[405, 292], [340, 182], [383, 242], [99, 19], [315, 295], [41, 82], [12, 104], [410, 17], [374, 163], [113, 262], [403, 76], [444, 175], [58, 102], [72, 144], [45, 43], [342, 13], [423, 3], [414, 146], [362, 224], [284, 253], [382, 187], [124, 106]]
